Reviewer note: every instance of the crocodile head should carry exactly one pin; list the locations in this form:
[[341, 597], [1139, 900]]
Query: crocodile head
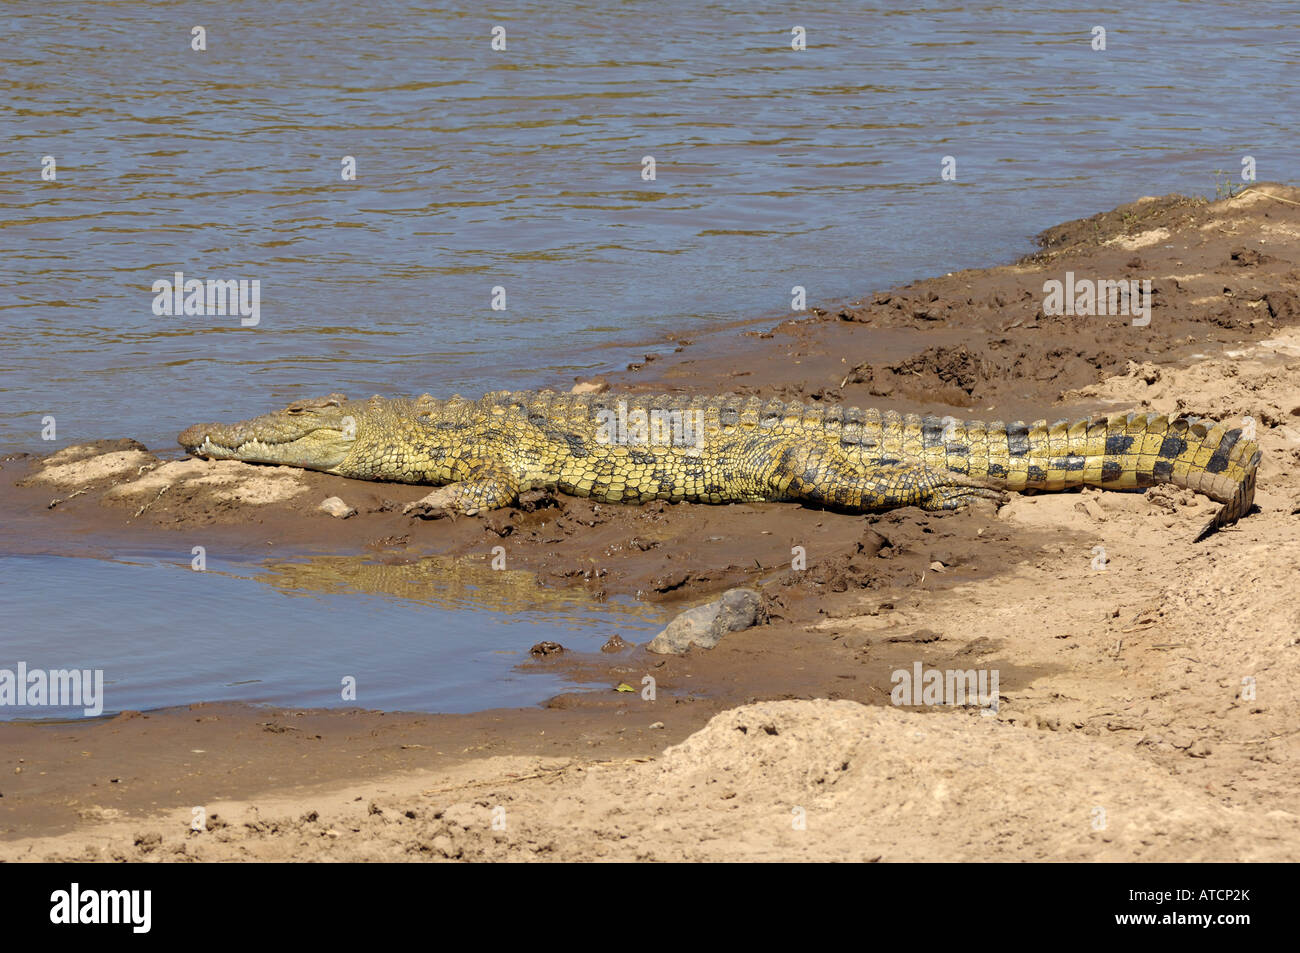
[[313, 434]]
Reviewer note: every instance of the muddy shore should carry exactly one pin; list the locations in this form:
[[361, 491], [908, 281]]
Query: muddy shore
[[1158, 690]]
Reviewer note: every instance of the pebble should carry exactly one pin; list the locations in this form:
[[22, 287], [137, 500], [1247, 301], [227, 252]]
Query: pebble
[[337, 508]]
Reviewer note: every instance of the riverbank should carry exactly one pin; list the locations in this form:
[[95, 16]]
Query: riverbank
[[1156, 690]]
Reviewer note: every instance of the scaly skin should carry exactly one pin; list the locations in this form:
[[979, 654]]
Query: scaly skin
[[730, 449]]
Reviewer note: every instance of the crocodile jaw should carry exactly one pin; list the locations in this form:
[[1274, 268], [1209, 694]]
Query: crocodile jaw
[[315, 437], [319, 451]]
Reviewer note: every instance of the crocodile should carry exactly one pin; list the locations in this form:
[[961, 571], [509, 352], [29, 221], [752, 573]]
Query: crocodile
[[481, 454]]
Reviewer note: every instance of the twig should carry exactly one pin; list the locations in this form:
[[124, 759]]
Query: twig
[[151, 502], [1266, 195]]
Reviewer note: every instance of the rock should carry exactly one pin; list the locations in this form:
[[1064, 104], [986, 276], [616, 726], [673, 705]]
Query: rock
[[705, 625], [542, 649], [337, 508], [615, 644], [1091, 508], [589, 387]]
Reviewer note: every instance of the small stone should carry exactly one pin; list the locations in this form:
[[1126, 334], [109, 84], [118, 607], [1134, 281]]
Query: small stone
[[337, 508], [542, 649], [615, 644], [589, 387], [657, 724]]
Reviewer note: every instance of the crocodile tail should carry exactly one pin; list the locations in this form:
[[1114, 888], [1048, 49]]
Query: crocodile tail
[[1210, 458], [1238, 459], [1121, 452], [1131, 451], [1234, 509]]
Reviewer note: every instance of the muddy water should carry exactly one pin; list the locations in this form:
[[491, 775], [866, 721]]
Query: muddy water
[[523, 169], [412, 638]]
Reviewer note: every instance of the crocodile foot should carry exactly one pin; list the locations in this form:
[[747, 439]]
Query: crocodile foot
[[444, 501], [965, 494]]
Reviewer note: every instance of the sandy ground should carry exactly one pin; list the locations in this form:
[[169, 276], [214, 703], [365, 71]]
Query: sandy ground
[[1146, 683]]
